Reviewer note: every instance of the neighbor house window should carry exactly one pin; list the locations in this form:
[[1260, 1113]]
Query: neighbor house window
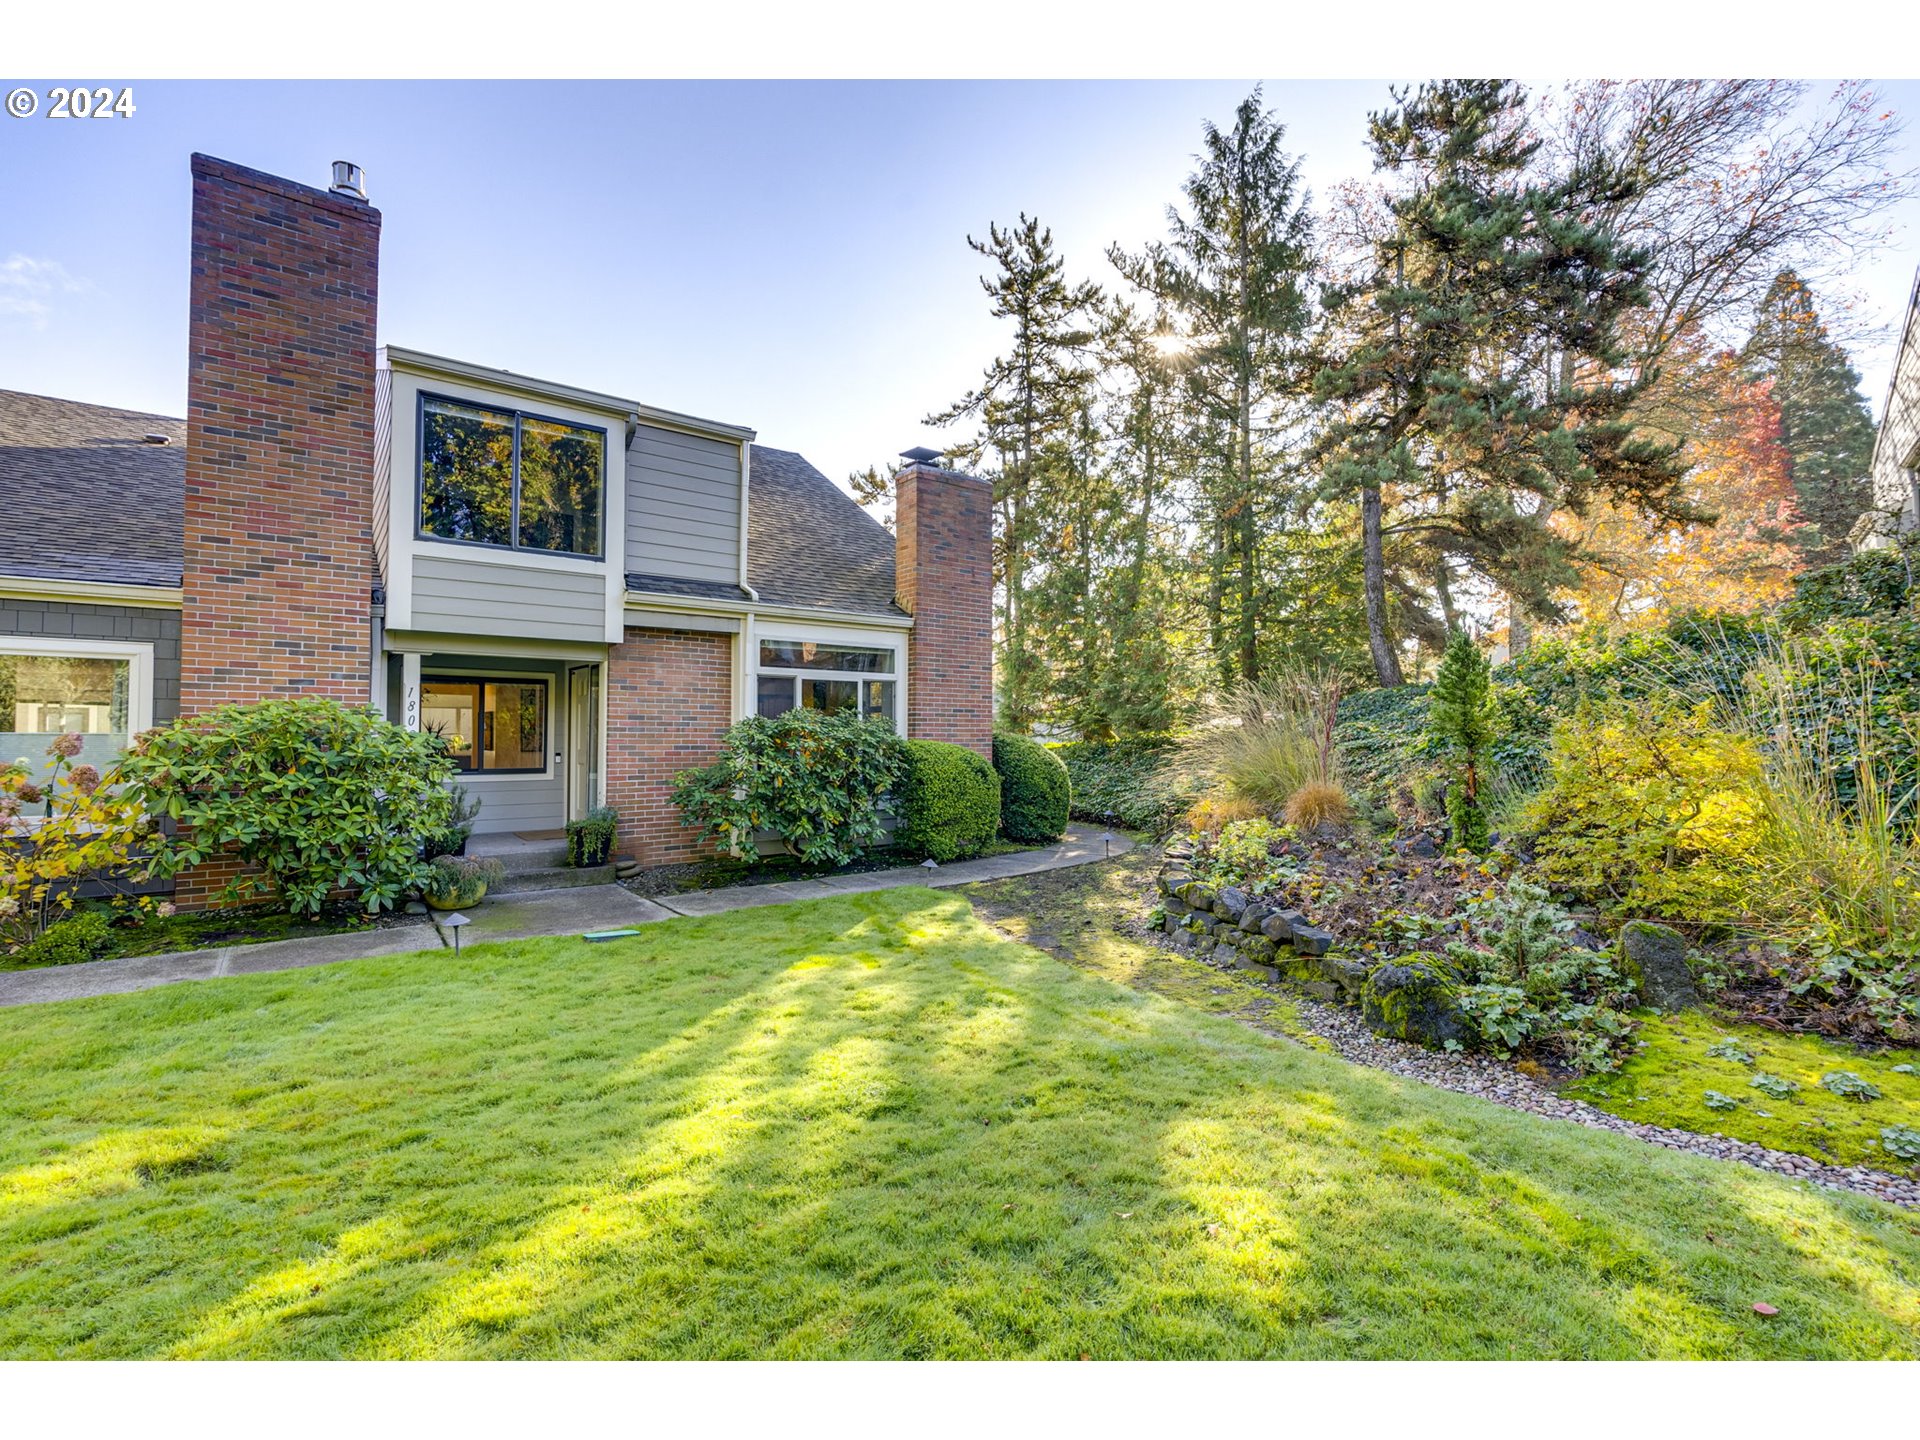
[[492, 727], [833, 678], [500, 477], [100, 690]]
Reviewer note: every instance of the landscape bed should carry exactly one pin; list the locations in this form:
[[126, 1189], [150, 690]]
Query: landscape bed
[[859, 1127]]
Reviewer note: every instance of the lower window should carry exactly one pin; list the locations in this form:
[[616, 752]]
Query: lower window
[[46, 695], [857, 678], [492, 727]]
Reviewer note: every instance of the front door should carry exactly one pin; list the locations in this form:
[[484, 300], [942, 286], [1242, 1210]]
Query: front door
[[583, 740]]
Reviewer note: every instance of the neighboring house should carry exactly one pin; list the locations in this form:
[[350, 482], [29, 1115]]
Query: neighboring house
[[584, 590], [1896, 447]]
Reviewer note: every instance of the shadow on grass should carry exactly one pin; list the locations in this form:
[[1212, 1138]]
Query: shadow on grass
[[859, 1127]]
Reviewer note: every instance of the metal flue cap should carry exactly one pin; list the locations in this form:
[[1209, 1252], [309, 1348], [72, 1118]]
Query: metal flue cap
[[921, 455], [348, 180]]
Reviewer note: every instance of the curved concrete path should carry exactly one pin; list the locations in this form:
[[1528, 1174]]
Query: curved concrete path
[[525, 916]]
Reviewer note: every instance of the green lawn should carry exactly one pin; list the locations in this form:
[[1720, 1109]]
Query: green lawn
[[1666, 1083], [862, 1127]]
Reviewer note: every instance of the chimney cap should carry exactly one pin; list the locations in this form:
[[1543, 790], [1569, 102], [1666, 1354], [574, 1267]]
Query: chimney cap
[[921, 455], [349, 180]]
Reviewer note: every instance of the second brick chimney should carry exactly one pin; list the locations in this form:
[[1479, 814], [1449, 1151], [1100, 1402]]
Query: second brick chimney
[[279, 500], [943, 573]]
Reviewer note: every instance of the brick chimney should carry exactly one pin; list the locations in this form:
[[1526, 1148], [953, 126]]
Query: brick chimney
[[279, 502], [943, 576]]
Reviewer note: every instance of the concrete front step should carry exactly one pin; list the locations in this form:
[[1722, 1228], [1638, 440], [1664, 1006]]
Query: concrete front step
[[519, 855], [552, 877]]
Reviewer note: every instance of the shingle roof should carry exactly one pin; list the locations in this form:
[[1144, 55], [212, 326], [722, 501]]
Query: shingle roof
[[85, 497], [810, 544]]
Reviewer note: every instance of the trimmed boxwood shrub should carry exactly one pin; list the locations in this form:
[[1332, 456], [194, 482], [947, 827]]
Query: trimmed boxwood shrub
[[1035, 790], [948, 801]]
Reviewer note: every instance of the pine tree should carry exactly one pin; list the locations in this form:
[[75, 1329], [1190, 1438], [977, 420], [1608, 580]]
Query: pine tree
[[1463, 717], [1235, 271], [1824, 420], [1028, 401], [1478, 365]]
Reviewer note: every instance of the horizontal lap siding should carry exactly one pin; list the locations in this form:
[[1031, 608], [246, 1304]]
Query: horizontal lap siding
[[462, 597], [683, 506]]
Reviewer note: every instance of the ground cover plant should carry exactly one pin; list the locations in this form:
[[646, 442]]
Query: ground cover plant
[[1774, 1079], [158, 931], [874, 1129]]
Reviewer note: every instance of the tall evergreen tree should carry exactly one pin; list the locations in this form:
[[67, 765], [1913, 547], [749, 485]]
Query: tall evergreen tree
[[1235, 270], [1477, 365], [1463, 718], [1824, 421], [1029, 400]]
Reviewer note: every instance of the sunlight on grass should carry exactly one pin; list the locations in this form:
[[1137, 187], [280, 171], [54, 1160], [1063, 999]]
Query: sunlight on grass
[[859, 1127]]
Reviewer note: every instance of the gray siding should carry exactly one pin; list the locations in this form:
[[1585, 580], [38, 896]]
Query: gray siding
[[683, 506], [60, 618], [1898, 442], [382, 466], [485, 597]]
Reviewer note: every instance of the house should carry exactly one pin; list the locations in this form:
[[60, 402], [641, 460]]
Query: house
[[582, 590], [1896, 447]]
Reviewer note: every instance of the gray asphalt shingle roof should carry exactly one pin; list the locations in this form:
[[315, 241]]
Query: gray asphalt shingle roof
[[85, 497], [810, 544]]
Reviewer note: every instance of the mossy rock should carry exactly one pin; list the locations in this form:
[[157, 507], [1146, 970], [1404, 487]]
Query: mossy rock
[[1349, 975], [1413, 999], [1258, 947], [1654, 957]]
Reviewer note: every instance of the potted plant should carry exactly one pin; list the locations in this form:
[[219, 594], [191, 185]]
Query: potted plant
[[459, 882]]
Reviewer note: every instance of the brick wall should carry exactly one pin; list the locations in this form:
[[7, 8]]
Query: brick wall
[[943, 569], [279, 496], [669, 702]]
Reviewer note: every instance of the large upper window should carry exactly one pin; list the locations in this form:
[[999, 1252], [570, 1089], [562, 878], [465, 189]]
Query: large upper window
[[821, 675], [501, 477], [491, 726]]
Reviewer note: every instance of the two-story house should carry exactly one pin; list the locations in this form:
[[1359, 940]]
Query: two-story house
[[1896, 444], [581, 591]]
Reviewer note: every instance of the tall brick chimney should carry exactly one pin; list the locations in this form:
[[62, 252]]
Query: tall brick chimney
[[279, 502], [943, 575]]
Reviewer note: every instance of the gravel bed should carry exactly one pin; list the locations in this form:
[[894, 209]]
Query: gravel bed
[[1499, 1082]]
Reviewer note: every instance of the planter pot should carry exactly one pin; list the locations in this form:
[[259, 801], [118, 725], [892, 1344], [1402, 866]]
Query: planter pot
[[457, 897]]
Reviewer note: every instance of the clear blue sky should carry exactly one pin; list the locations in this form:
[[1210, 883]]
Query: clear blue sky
[[789, 256]]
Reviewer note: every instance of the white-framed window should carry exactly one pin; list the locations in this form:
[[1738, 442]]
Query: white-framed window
[[834, 675], [53, 685]]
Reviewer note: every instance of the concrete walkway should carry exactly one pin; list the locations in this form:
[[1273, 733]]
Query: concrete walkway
[[525, 916]]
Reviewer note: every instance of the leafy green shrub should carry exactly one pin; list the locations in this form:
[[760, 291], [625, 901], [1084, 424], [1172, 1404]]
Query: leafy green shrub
[[1654, 809], [1465, 721], [1526, 986], [1125, 782], [1873, 582], [314, 796], [460, 817], [1036, 793], [1241, 854], [590, 841], [73, 941], [816, 780], [948, 802]]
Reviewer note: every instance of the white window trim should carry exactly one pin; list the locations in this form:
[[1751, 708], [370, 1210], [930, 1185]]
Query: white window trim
[[138, 654], [787, 632]]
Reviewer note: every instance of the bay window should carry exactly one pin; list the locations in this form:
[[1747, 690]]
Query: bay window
[[493, 476], [828, 676]]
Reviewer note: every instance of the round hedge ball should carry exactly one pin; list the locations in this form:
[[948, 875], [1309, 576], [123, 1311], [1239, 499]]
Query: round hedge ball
[[1035, 791]]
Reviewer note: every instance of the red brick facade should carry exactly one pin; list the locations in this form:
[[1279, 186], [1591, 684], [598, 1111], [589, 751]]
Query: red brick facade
[[279, 498], [943, 570], [669, 702]]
